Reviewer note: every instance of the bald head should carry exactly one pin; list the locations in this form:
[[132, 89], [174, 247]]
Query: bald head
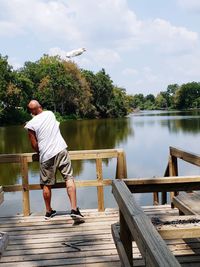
[[34, 107]]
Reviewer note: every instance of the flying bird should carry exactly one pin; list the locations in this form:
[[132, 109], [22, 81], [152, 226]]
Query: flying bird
[[76, 52]]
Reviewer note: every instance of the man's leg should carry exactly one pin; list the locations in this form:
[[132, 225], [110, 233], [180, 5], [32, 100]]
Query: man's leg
[[47, 197], [65, 168], [71, 191]]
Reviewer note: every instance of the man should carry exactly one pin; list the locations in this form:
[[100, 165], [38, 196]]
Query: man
[[46, 139]]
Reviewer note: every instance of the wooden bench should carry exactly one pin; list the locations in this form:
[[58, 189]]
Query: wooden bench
[[188, 203]]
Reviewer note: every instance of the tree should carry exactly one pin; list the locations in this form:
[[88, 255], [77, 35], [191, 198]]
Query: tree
[[138, 101], [60, 86], [103, 93], [6, 78], [119, 103], [186, 96], [161, 101]]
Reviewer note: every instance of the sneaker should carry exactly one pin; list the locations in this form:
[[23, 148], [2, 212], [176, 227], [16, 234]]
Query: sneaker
[[50, 214], [75, 214]]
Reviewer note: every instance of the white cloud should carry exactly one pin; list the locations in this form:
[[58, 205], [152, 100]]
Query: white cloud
[[42, 18], [186, 67], [170, 38], [9, 29], [91, 23], [105, 57], [112, 34], [130, 71], [163, 36], [193, 5]]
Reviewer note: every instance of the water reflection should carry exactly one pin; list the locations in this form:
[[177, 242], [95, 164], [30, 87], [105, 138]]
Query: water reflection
[[145, 138], [184, 125], [175, 121], [80, 135]]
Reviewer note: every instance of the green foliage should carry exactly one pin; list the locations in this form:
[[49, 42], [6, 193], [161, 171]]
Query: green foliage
[[186, 96], [74, 93], [138, 101], [119, 104], [59, 86]]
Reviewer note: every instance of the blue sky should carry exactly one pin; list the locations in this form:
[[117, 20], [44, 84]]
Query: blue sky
[[143, 45]]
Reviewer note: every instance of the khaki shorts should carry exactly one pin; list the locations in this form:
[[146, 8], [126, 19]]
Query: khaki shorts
[[48, 168]]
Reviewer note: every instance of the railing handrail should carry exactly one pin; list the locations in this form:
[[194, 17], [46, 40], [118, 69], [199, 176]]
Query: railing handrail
[[135, 225], [189, 157], [24, 158], [172, 168], [74, 155]]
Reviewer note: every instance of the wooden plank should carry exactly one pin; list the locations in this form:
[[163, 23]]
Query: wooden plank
[[58, 248], [85, 183], [186, 156], [151, 245], [70, 254], [21, 231], [187, 203], [126, 239], [64, 261], [94, 154], [10, 158], [1, 195], [75, 155], [100, 191], [177, 230], [61, 217], [163, 184], [120, 248]]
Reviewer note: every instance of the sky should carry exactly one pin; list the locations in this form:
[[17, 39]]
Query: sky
[[144, 45]]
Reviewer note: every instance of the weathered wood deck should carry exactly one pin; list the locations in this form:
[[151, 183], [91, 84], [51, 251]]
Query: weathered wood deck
[[34, 241]]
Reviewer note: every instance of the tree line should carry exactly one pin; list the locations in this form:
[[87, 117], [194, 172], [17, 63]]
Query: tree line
[[71, 92], [60, 86], [177, 97]]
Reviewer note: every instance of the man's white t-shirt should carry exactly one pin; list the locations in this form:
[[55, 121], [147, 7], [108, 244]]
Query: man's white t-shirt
[[50, 140]]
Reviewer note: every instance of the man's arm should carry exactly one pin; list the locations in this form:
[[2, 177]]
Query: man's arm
[[33, 139]]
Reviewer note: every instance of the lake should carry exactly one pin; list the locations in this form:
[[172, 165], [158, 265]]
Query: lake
[[144, 136]]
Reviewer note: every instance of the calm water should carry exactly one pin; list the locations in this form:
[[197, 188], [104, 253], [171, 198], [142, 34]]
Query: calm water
[[145, 137]]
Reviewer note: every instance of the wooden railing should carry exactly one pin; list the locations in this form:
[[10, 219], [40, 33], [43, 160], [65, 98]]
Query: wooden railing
[[172, 170], [135, 225], [99, 182]]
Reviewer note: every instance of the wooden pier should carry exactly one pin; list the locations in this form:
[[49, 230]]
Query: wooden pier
[[34, 241], [127, 236]]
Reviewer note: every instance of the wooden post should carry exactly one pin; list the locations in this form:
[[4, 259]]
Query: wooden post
[[164, 194], [1, 195], [25, 185], [121, 170], [173, 171], [155, 198], [100, 191], [126, 238]]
